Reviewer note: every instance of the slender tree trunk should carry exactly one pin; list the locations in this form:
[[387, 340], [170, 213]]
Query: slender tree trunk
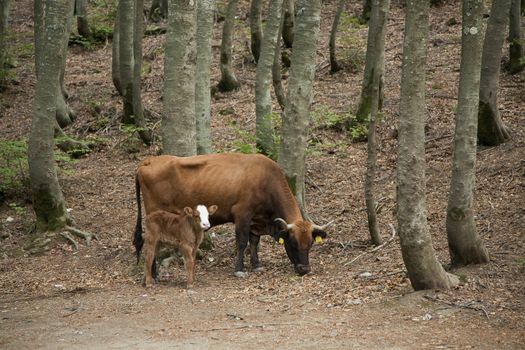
[[289, 23], [82, 18], [300, 86], [424, 270], [376, 29], [115, 57], [48, 200], [228, 80], [202, 77], [491, 130], [367, 9], [334, 65], [276, 68], [126, 20], [516, 59], [256, 32], [265, 134], [464, 244], [376, 55], [179, 126], [4, 17], [138, 108]]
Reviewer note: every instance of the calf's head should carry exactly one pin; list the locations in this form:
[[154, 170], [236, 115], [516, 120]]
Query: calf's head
[[201, 215], [298, 238]]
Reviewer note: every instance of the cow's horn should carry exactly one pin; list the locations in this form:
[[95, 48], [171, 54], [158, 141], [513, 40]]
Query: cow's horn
[[284, 223], [324, 227]]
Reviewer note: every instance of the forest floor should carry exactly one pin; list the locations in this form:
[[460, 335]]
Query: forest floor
[[355, 297]]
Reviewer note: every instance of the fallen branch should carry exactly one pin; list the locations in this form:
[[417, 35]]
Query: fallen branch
[[374, 249], [464, 306]]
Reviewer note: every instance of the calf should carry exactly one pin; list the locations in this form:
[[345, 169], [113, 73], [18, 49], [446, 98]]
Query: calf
[[182, 230]]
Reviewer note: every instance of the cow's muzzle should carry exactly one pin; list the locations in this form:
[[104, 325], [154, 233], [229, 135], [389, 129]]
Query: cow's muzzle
[[302, 269]]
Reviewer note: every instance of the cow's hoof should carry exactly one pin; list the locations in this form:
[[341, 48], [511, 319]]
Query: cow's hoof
[[240, 274], [259, 269]]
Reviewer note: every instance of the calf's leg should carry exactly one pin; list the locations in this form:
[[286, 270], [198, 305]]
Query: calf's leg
[[189, 263], [150, 245]]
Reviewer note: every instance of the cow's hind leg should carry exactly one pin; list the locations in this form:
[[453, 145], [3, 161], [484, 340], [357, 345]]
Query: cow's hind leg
[[242, 234], [254, 248]]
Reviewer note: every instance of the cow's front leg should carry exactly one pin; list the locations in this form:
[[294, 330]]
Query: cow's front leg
[[242, 233], [254, 248]]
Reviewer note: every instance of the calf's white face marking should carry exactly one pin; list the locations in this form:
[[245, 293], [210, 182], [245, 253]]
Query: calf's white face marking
[[204, 216]]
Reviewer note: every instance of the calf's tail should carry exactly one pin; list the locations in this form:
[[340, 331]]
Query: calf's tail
[[138, 241]]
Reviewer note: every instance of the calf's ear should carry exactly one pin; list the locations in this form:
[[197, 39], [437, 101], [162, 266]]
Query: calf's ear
[[188, 210], [212, 209], [318, 235]]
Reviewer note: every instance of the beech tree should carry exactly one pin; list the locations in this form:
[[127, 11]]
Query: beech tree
[[424, 270], [289, 23], [4, 16], [202, 75], [178, 123], [334, 65], [300, 85], [516, 58], [82, 18], [265, 135], [276, 68], [464, 244], [228, 80], [376, 60], [256, 32], [491, 130]]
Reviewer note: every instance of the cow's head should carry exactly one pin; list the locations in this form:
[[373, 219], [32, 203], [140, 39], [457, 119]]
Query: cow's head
[[298, 238], [201, 214]]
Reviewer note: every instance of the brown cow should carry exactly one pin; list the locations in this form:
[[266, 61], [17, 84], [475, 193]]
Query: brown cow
[[184, 231], [250, 190]]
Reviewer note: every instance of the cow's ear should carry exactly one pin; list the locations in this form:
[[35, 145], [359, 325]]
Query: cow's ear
[[212, 209], [282, 237], [188, 210], [318, 235]]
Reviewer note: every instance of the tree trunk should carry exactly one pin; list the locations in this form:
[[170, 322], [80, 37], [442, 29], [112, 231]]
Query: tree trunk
[[4, 17], [138, 108], [126, 20], [376, 29], [228, 80], [256, 32], [424, 270], [300, 85], [289, 23], [464, 244], [158, 10], [334, 65], [179, 126], [202, 77], [48, 201], [115, 57], [516, 59], [367, 9], [376, 57], [276, 67], [82, 18], [491, 130], [265, 134]]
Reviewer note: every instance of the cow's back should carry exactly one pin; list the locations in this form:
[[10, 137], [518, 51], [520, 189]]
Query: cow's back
[[171, 183]]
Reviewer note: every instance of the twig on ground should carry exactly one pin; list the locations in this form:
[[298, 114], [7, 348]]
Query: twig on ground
[[464, 306], [374, 249]]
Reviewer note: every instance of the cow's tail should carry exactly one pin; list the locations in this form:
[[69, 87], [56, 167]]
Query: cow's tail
[[138, 241]]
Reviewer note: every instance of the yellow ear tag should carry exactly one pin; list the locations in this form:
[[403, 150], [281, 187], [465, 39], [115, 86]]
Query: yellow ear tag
[[318, 239], [281, 240]]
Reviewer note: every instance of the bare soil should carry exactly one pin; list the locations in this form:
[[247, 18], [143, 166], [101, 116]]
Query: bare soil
[[356, 297]]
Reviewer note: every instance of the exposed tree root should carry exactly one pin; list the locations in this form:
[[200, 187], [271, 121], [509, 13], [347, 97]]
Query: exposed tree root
[[87, 236]]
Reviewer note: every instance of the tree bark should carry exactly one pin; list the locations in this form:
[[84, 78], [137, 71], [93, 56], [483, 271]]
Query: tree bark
[[115, 56], [376, 56], [464, 244], [367, 9], [334, 65], [265, 134], [424, 270], [82, 18], [202, 77], [299, 98], [4, 17], [126, 20], [376, 29], [179, 126], [289, 23], [276, 68], [256, 32], [48, 200], [228, 80], [516, 59], [491, 130]]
